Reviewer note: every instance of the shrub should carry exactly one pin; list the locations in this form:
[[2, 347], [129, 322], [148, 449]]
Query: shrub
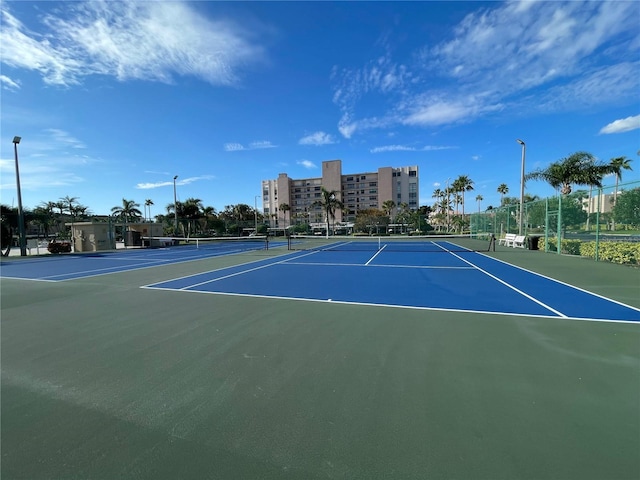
[[626, 253]]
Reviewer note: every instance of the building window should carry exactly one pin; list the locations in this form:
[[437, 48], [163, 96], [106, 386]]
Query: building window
[[373, 184], [413, 173], [349, 179], [363, 177]]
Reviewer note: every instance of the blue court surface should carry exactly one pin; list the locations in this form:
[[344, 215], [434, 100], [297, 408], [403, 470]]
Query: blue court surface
[[455, 281], [433, 278], [56, 268]]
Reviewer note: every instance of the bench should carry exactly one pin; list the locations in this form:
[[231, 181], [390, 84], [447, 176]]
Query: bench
[[507, 240], [519, 241]]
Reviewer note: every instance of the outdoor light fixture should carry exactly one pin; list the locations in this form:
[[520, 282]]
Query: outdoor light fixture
[[524, 148], [22, 239], [175, 207], [255, 205]]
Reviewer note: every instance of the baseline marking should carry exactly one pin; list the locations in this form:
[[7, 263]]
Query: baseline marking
[[526, 295]]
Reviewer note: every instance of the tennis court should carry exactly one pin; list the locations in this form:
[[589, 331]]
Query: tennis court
[[341, 359]]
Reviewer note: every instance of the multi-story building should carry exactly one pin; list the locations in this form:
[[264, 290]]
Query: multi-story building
[[357, 191]]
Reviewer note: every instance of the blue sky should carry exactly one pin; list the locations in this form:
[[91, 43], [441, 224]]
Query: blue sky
[[112, 99]]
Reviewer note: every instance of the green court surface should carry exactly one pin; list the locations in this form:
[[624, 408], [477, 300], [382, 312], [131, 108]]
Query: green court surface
[[104, 380]]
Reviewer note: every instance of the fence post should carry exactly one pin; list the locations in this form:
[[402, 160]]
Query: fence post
[[598, 225], [559, 229]]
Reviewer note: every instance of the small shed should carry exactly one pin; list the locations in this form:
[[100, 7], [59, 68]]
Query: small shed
[[91, 236]]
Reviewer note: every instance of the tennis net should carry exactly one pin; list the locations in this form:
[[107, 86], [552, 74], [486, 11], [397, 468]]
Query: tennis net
[[258, 242], [418, 243]]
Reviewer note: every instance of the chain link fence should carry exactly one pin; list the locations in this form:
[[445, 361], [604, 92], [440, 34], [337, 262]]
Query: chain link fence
[[600, 223]]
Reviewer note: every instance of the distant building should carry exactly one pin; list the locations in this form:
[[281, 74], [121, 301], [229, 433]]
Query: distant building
[[358, 191], [599, 203]]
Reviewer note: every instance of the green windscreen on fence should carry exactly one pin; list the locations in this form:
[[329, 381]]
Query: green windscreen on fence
[[601, 223]]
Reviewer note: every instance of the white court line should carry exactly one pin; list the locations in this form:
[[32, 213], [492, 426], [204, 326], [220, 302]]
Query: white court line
[[524, 294], [243, 272], [563, 283], [328, 264], [408, 307], [151, 285], [139, 266], [377, 253]]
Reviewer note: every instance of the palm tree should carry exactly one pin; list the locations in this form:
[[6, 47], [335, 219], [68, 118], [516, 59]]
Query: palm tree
[[617, 165], [329, 202], [503, 189], [284, 208], [128, 211], [579, 168], [147, 204], [387, 208], [191, 209], [479, 199], [463, 184]]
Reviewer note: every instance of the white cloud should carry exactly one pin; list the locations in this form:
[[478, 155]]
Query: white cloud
[[237, 147], [153, 41], [622, 125], [405, 148], [179, 181], [307, 164], [233, 147], [317, 139], [513, 56], [8, 83], [64, 138], [49, 159], [260, 145], [392, 148]]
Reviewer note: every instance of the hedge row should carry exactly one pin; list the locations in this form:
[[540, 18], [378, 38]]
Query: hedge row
[[627, 253]]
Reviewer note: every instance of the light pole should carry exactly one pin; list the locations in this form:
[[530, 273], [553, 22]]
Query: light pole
[[23, 245], [521, 216], [175, 208], [447, 204], [255, 211]]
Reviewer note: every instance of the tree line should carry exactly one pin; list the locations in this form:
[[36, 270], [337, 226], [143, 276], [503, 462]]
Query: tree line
[[192, 217]]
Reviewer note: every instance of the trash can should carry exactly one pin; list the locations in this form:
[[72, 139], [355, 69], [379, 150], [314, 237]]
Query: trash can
[[532, 242]]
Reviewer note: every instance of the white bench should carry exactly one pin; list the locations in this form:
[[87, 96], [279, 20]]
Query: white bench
[[519, 241], [507, 240]]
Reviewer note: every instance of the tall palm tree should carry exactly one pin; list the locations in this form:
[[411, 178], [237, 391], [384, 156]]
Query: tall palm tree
[[192, 212], [579, 168], [147, 204], [128, 211], [479, 199], [387, 208], [329, 202], [438, 194], [503, 189], [617, 165], [463, 184], [284, 208]]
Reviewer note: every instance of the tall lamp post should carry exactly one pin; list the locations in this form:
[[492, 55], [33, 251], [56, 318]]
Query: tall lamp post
[[255, 211], [521, 216], [22, 239], [175, 208]]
